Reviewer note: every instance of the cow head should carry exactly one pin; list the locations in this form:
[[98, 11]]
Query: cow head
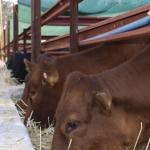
[[22, 103], [40, 90], [87, 119]]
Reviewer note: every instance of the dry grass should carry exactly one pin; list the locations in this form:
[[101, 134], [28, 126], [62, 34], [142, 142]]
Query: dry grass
[[5, 77], [41, 139]]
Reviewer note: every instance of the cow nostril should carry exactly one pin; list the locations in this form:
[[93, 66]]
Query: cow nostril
[[126, 144], [72, 125], [32, 93], [30, 99]]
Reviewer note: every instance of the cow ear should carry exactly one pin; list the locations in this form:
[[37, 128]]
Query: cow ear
[[29, 65], [51, 78], [104, 99]]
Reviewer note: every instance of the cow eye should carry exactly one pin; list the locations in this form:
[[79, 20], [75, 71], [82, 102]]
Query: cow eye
[[72, 125]]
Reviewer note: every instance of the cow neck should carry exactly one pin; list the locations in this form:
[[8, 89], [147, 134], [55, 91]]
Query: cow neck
[[129, 83], [80, 61], [98, 56]]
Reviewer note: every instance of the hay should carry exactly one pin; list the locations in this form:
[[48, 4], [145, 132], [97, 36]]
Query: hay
[[138, 137], [147, 146], [70, 142], [41, 139], [5, 77]]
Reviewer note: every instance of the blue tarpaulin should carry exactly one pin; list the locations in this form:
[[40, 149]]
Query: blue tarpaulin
[[131, 26]]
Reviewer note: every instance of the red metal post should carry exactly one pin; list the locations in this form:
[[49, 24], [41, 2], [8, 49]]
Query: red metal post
[[4, 32], [24, 40], [36, 28], [15, 27], [8, 38], [74, 26]]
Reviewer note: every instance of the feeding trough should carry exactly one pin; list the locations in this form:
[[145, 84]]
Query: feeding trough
[[13, 134]]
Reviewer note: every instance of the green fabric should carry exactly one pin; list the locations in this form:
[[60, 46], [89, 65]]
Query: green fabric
[[109, 7], [46, 30], [93, 7], [45, 4], [24, 13], [25, 22]]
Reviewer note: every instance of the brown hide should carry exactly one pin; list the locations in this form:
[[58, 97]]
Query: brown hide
[[22, 104], [104, 111], [43, 97]]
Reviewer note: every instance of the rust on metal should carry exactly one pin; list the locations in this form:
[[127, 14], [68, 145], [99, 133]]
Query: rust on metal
[[137, 33], [24, 40], [82, 20], [8, 38], [4, 32], [55, 11], [98, 28], [36, 28], [15, 28], [74, 26]]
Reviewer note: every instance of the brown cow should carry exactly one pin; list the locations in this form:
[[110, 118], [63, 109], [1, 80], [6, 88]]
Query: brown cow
[[104, 111], [47, 77]]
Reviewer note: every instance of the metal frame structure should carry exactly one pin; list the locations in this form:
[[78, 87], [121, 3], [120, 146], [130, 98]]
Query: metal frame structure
[[59, 45], [15, 31], [36, 29], [51, 17], [98, 28]]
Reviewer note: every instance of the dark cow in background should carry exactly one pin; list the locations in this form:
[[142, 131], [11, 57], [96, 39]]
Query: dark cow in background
[[104, 111], [44, 87], [16, 64]]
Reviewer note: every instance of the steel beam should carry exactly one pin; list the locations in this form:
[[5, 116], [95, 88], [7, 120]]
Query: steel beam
[[36, 28], [101, 27], [135, 34], [24, 40], [15, 28], [51, 17], [74, 26], [138, 33], [8, 38], [52, 13], [4, 35], [82, 20], [65, 21]]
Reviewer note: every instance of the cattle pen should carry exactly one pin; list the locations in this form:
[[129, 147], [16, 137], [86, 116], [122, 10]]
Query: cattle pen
[[59, 37]]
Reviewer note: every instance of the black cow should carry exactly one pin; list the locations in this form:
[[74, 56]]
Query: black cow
[[16, 64]]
